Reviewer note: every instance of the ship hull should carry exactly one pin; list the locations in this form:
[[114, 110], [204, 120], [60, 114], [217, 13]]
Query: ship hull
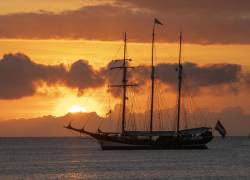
[[195, 138], [187, 140], [110, 145]]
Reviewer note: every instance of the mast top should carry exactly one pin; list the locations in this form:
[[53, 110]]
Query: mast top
[[180, 47]]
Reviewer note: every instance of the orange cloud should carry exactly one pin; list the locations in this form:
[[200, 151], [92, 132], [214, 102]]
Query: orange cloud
[[205, 22]]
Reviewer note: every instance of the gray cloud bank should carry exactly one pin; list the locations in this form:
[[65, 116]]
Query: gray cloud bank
[[203, 22], [20, 76]]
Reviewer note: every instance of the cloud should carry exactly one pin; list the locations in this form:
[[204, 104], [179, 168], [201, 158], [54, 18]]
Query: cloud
[[213, 78], [201, 76], [206, 22], [220, 76], [82, 76], [114, 76], [48, 126], [19, 76], [104, 22], [235, 120]]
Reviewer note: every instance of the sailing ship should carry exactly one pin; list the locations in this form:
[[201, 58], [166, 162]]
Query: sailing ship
[[193, 138]]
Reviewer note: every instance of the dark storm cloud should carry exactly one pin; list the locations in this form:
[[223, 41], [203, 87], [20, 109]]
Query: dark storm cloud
[[83, 76], [19, 75], [226, 77], [206, 22], [201, 76]]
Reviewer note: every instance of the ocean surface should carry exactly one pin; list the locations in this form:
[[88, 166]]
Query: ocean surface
[[81, 158]]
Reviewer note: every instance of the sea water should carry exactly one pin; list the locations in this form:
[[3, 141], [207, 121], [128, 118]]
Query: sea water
[[82, 158]]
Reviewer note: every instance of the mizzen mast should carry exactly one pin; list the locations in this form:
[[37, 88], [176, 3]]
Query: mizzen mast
[[179, 86]]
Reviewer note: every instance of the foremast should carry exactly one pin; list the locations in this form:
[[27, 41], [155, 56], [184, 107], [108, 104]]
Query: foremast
[[156, 21], [179, 86], [124, 84]]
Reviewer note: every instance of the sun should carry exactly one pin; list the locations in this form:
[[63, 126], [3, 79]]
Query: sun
[[77, 108]]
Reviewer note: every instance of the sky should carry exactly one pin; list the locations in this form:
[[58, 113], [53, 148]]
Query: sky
[[56, 55]]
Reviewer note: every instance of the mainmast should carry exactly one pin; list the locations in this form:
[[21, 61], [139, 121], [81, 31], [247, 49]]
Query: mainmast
[[156, 21], [179, 86], [124, 82]]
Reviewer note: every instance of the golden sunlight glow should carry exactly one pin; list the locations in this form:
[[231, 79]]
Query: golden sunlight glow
[[100, 53], [59, 100], [90, 102], [77, 108]]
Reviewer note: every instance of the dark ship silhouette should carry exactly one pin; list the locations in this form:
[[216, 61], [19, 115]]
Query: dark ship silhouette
[[194, 138]]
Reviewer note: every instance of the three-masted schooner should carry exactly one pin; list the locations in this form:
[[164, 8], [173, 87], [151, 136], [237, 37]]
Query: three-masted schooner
[[195, 138]]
